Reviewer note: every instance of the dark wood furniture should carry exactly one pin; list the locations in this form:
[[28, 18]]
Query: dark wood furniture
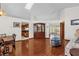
[[39, 31], [8, 41]]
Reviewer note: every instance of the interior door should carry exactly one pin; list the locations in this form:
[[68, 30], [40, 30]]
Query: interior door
[[62, 32], [39, 31], [62, 36]]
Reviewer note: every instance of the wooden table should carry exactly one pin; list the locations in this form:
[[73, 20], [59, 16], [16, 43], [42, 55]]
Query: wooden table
[[10, 41]]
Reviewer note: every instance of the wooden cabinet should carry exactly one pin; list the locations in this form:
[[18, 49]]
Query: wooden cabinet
[[25, 29], [39, 31]]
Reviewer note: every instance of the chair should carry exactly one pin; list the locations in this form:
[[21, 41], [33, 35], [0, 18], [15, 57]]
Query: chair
[[14, 36], [1, 42], [5, 50]]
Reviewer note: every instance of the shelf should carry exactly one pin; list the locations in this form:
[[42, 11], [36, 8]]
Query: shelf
[[25, 30]]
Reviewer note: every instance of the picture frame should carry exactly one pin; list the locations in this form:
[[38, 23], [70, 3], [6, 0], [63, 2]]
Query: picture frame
[[16, 24], [75, 22]]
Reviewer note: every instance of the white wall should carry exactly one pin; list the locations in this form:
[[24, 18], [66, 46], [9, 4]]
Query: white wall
[[47, 26], [17, 31], [6, 26], [70, 14]]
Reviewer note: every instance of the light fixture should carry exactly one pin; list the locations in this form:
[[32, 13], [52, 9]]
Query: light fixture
[[2, 13], [29, 6]]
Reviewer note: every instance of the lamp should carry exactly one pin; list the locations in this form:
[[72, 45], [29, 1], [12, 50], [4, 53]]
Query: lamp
[[2, 13]]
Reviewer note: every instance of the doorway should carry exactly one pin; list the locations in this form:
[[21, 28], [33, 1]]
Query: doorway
[[39, 31]]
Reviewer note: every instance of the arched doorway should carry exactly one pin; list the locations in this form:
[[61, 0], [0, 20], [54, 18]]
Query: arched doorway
[[39, 31]]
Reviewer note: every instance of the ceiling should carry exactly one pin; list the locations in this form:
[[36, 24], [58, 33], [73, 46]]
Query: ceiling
[[39, 11]]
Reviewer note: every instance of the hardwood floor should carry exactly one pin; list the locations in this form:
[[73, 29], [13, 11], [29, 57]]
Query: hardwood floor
[[37, 47]]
